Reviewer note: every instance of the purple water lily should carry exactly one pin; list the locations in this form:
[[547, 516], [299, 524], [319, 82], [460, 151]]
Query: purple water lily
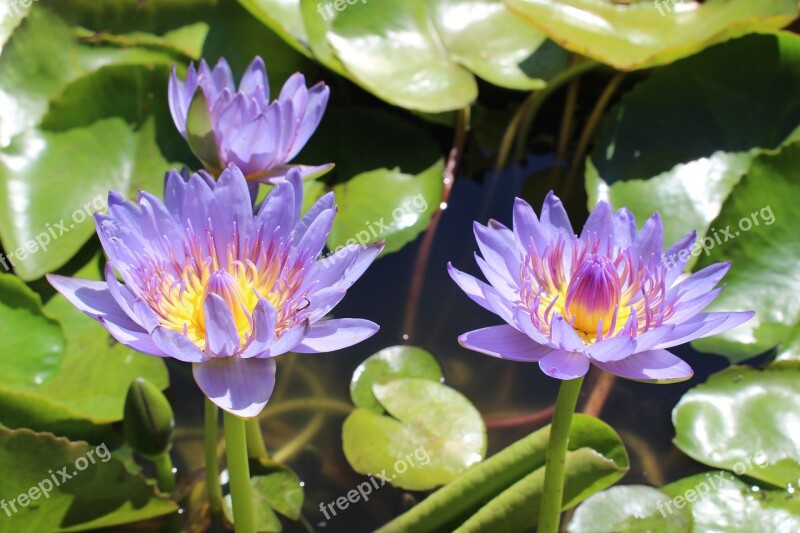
[[208, 282], [606, 298], [258, 136]]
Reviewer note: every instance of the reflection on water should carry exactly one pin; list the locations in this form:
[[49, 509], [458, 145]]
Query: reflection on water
[[499, 389]]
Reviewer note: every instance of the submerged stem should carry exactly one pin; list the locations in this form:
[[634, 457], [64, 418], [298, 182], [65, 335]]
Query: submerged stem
[[244, 518], [211, 437], [553, 491], [256, 449]]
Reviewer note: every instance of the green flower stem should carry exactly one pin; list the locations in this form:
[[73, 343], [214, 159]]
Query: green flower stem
[[244, 518], [211, 437], [165, 472], [552, 495], [256, 449]]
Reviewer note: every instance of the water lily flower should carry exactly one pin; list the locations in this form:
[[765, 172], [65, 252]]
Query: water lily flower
[[243, 127], [605, 298], [207, 281]]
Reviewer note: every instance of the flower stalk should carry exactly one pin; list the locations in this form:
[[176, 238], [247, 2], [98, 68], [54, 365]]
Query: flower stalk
[[244, 518], [211, 437], [553, 492]]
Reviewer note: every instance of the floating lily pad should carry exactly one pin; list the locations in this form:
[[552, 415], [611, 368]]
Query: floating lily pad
[[92, 489], [642, 34], [31, 343], [278, 492], [433, 434], [629, 509], [733, 97], [433, 66], [760, 220], [733, 505], [87, 391], [388, 364], [743, 419]]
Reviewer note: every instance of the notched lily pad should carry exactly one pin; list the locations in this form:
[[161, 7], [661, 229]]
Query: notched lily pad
[[391, 363], [433, 434]]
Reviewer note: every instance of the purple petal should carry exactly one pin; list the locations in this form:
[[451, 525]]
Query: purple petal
[[91, 297], [564, 337], [474, 288], [672, 258], [701, 282], [254, 146], [327, 201], [504, 342], [649, 242], [179, 96], [658, 366], [314, 109], [254, 81], [336, 334], [506, 287], [177, 345], [499, 251], [612, 349], [624, 228], [529, 232], [564, 365], [264, 320], [599, 227], [239, 386], [554, 218], [134, 338], [703, 325], [289, 339], [222, 337]]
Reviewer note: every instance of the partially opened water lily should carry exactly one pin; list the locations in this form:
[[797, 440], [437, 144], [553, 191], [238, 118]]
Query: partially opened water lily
[[223, 125], [607, 297], [208, 282]]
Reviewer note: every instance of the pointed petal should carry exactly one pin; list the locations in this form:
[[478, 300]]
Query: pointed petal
[[658, 366], [600, 227], [612, 349], [306, 172], [222, 337], [564, 365], [504, 342], [239, 386], [177, 345], [264, 319], [254, 81], [335, 334]]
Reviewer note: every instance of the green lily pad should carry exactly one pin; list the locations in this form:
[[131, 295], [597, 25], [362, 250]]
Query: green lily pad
[[32, 343], [436, 434], [433, 67], [733, 505], [761, 217], [629, 509], [740, 419], [43, 231], [790, 349], [388, 364], [503, 492], [687, 198], [87, 391], [278, 492], [98, 491], [642, 33], [733, 97]]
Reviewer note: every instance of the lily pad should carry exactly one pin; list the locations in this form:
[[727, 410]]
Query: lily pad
[[433, 66], [734, 505], [388, 364], [436, 434], [91, 490], [629, 509], [32, 343], [280, 491], [733, 97], [642, 34], [88, 389], [760, 219], [743, 419]]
